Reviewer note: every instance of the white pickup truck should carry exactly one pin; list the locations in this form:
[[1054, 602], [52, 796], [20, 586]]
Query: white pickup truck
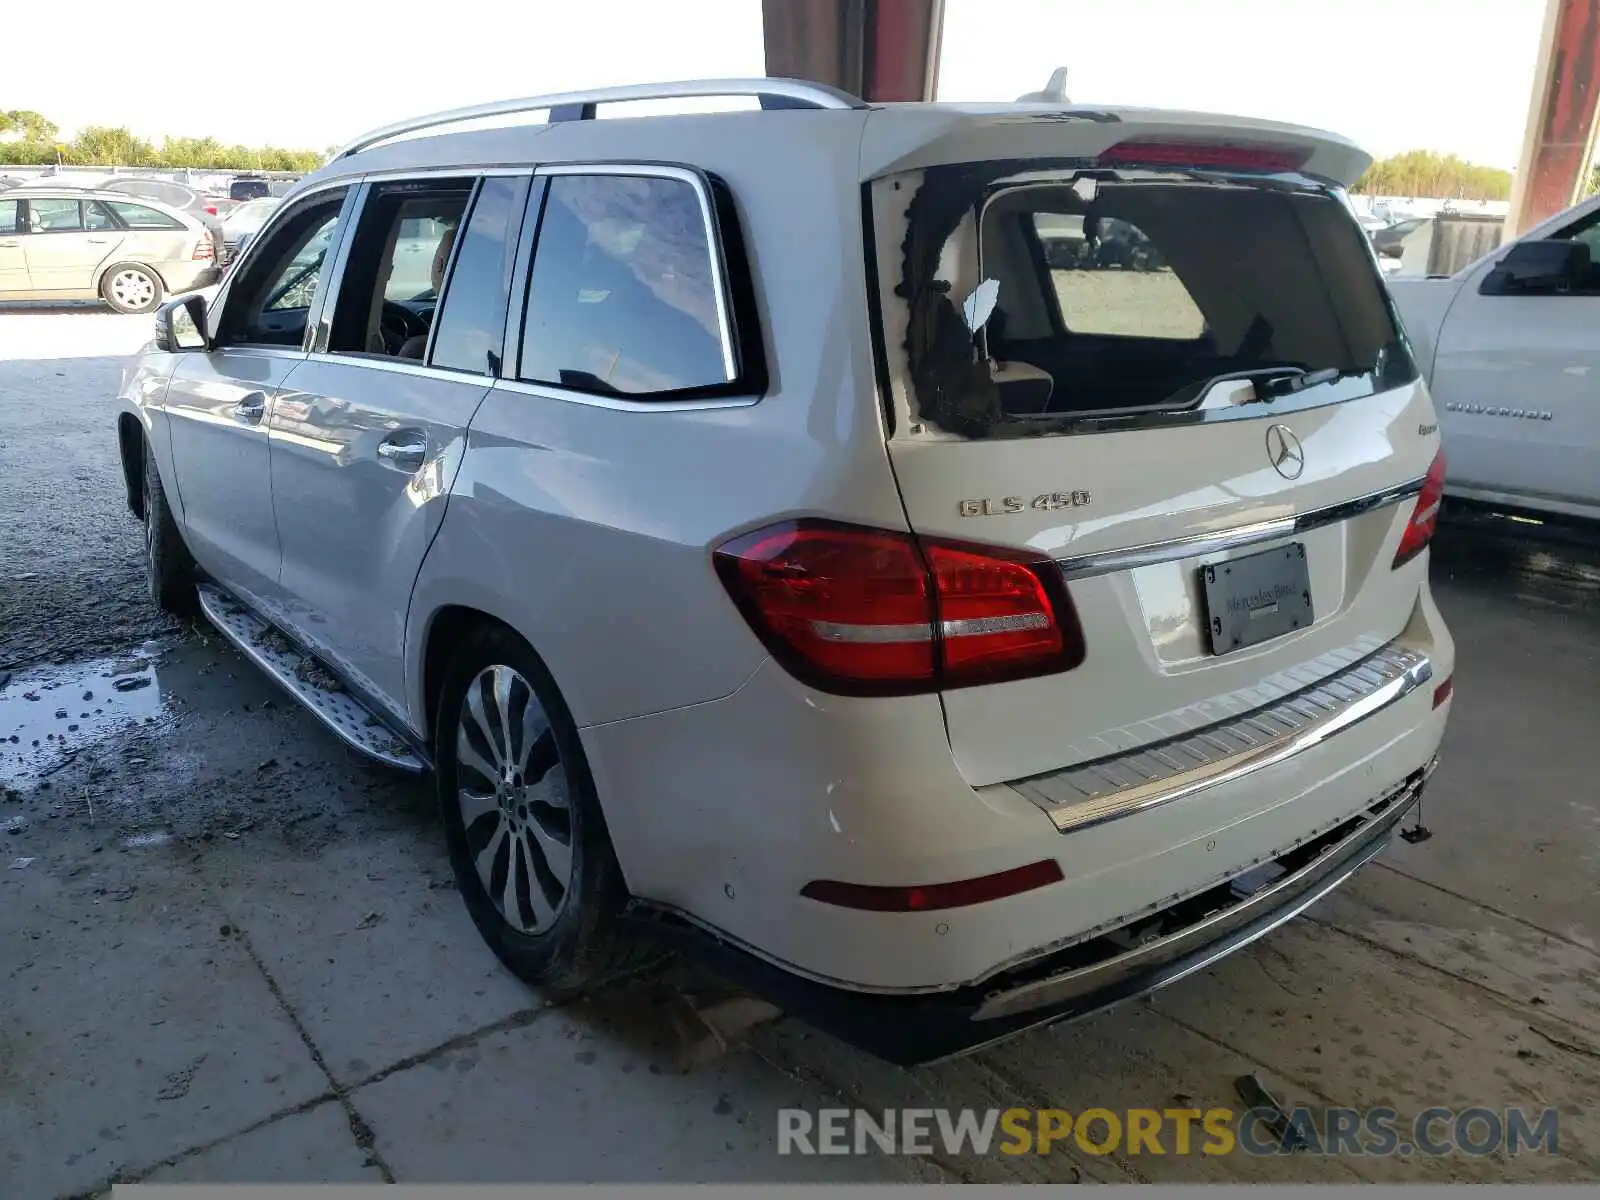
[[1510, 348]]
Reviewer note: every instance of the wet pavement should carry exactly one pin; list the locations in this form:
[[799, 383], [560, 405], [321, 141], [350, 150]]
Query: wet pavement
[[230, 948]]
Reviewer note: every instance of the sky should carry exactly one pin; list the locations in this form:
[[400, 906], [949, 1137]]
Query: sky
[[1446, 75]]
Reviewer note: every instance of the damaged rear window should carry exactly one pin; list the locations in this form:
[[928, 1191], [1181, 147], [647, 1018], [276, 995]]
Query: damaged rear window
[[1040, 302]]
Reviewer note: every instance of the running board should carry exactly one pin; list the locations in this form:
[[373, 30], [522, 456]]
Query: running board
[[306, 679]]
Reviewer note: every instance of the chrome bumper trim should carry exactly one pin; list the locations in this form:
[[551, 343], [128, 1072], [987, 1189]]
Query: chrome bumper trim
[[1086, 566], [1165, 960], [1159, 773]]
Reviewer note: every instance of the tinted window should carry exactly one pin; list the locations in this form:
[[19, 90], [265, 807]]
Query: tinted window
[[471, 323], [137, 216], [8, 216], [270, 304], [622, 299], [54, 216]]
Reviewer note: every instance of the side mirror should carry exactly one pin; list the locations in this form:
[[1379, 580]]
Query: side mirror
[[1538, 267], [181, 325]]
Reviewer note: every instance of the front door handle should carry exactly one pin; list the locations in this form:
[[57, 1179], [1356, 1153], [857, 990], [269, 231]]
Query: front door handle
[[251, 408], [406, 449]]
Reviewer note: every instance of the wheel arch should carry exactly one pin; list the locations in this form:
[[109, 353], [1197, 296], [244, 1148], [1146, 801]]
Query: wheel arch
[[114, 264], [131, 444], [446, 627]]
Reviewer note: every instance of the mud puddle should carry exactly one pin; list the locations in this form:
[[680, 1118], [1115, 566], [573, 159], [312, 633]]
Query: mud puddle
[[48, 715]]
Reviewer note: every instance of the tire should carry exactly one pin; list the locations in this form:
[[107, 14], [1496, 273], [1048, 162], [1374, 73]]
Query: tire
[[561, 935], [169, 569], [131, 288]]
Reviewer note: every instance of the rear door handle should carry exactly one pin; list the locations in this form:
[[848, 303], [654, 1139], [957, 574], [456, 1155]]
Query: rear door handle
[[251, 408], [98, 241], [9, 245], [406, 449]]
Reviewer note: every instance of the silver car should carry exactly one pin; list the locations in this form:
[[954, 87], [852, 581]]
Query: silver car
[[80, 244]]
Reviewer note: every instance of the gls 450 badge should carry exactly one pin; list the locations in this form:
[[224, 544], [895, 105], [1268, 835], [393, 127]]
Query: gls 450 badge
[[1005, 505]]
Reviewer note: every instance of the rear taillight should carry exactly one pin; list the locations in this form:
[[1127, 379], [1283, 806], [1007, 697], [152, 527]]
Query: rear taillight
[[1425, 516], [1169, 152], [203, 249], [862, 611], [1443, 691]]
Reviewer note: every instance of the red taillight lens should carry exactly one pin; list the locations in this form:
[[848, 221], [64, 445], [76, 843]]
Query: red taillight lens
[[995, 616], [874, 612], [1166, 152], [931, 896], [1443, 691], [1425, 516], [203, 249]]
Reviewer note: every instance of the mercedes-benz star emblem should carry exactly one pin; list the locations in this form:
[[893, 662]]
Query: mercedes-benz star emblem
[[1284, 452]]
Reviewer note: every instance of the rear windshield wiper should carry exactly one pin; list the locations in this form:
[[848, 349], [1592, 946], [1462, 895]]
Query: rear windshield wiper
[[1287, 385], [1267, 383], [1263, 378]]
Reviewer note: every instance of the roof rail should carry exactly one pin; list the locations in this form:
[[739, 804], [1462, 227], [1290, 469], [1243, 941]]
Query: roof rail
[[580, 106]]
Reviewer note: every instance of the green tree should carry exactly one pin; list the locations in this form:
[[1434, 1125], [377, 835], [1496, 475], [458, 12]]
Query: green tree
[[32, 126], [34, 144], [1425, 173], [103, 146]]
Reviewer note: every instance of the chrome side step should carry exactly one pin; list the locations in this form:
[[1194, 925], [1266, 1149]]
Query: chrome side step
[[308, 681]]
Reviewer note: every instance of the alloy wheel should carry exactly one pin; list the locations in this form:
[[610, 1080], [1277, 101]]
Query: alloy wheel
[[512, 787], [133, 289]]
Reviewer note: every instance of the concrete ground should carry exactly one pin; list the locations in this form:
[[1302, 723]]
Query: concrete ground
[[230, 949]]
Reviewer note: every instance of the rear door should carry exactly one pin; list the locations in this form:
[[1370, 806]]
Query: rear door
[[61, 250], [369, 431], [1221, 459]]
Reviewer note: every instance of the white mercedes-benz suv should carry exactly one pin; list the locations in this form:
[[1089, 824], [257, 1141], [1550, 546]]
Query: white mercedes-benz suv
[[954, 566]]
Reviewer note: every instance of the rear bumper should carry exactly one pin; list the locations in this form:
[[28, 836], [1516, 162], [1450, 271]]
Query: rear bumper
[[1119, 965], [184, 276], [722, 813]]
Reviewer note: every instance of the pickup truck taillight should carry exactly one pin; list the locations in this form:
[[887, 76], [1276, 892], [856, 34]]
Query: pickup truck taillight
[[1425, 516], [873, 612]]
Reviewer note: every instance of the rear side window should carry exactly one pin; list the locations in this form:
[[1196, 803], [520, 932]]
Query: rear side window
[[138, 216], [625, 297], [8, 216], [470, 328]]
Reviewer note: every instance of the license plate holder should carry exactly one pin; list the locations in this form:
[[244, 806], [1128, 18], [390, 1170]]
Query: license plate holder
[[1261, 596]]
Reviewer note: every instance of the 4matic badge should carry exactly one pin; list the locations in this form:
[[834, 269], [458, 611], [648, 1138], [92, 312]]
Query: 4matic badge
[[1006, 505]]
